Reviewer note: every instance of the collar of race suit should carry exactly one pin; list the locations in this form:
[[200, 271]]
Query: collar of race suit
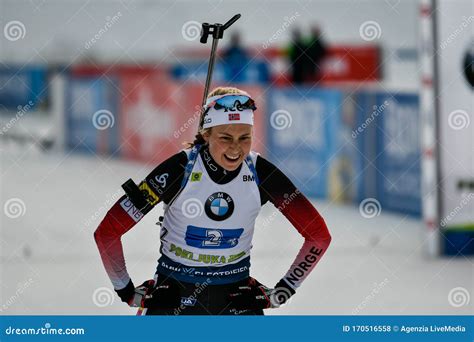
[[217, 173]]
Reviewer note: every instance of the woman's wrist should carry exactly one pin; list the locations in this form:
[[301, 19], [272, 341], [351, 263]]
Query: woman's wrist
[[127, 293]]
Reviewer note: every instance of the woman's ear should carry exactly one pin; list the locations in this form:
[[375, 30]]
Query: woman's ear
[[206, 134]]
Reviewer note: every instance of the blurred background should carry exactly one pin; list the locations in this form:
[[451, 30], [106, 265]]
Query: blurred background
[[366, 105]]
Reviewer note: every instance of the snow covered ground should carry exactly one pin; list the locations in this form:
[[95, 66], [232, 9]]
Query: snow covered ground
[[49, 263]]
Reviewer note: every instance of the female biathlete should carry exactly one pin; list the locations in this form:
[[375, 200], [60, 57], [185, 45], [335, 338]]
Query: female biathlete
[[212, 193]]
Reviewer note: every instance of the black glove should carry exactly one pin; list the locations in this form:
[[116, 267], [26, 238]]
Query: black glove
[[255, 296], [127, 293], [164, 295]]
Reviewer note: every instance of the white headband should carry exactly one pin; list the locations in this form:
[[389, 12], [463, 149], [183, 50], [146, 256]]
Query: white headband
[[215, 117]]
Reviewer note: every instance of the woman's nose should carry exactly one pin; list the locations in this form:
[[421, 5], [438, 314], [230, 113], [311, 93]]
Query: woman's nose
[[235, 144]]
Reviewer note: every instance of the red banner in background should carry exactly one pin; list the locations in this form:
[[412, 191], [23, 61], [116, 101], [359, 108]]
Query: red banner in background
[[342, 64], [149, 114], [352, 64]]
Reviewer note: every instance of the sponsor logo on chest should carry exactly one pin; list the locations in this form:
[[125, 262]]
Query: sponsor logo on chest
[[219, 206]]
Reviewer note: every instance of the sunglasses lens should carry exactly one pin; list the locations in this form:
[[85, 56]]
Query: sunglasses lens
[[233, 102]]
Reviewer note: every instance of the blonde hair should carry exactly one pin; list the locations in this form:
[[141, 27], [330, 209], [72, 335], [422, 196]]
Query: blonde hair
[[225, 91], [199, 138]]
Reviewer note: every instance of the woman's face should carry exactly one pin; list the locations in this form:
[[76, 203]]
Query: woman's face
[[229, 144]]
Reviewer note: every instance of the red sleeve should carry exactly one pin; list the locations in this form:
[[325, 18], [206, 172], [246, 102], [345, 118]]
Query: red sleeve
[[277, 188], [118, 220], [309, 223], [161, 184], [304, 217]]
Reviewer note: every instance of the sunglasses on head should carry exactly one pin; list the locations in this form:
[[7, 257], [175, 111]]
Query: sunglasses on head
[[233, 102]]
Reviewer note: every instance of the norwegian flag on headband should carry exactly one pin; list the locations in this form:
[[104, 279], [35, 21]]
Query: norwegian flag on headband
[[215, 117], [234, 116]]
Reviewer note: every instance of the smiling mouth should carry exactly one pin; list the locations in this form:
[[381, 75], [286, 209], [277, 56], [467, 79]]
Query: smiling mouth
[[233, 158]]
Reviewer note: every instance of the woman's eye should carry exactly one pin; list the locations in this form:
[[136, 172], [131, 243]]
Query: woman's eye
[[225, 138], [245, 138]]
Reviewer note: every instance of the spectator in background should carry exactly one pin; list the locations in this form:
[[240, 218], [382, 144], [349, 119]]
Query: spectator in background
[[306, 56], [235, 59], [469, 65], [298, 58], [316, 51]]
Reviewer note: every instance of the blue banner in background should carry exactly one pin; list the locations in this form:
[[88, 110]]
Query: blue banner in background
[[92, 121], [303, 135], [253, 72], [197, 70], [238, 328], [398, 153], [20, 85], [387, 135], [364, 135], [336, 150]]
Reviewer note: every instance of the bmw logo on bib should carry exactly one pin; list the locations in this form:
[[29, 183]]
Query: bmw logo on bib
[[219, 206]]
